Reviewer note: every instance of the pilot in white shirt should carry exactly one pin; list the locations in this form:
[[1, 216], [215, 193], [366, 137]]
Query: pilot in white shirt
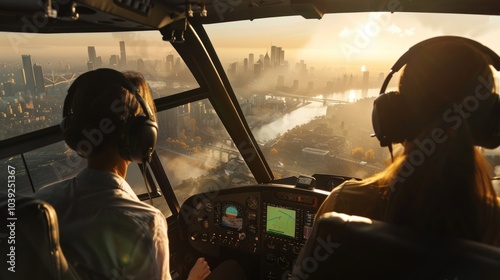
[[106, 232]]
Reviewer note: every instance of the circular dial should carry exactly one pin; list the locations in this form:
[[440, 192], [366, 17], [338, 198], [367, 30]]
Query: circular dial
[[252, 203]]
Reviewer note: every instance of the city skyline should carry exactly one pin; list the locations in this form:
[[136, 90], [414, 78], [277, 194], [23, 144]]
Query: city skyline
[[315, 56], [274, 57], [334, 38]]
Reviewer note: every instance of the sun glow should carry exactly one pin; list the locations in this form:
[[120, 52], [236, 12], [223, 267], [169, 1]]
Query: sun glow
[[352, 96]]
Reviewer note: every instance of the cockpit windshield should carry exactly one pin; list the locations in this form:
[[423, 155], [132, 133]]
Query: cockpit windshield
[[306, 89], [37, 69], [307, 86]]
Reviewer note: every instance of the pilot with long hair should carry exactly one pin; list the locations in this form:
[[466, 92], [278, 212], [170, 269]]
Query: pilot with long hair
[[440, 182], [106, 231]]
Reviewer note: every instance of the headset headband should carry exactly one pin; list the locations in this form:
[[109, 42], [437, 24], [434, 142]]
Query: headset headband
[[120, 80], [495, 59], [390, 116], [140, 133]]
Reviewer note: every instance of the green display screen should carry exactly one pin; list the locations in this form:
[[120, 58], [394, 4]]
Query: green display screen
[[280, 221]]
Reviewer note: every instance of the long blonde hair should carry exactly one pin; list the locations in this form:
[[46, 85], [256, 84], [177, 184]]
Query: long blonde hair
[[441, 182]]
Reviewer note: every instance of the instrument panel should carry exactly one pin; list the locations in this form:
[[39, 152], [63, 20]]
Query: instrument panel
[[270, 222]]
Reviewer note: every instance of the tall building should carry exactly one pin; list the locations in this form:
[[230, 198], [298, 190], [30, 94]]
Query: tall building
[[245, 65], [171, 123], [301, 68], [381, 78], [28, 71], [277, 56], [177, 66], [19, 77], [267, 61], [39, 79], [98, 62], [282, 56], [170, 62], [92, 55], [232, 68], [257, 69], [123, 55], [8, 88], [250, 60], [113, 60], [140, 65], [274, 56], [3, 72]]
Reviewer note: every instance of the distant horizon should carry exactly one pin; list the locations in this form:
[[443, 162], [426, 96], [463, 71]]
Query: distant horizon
[[350, 41]]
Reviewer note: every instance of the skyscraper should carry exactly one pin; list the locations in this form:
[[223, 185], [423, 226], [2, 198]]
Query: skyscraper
[[8, 88], [40, 81], [113, 60], [282, 56], [232, 68], [170, 62], [245, 65], [267, 61], [92, 56], [19, 77], [274, 56], [140, 65], [123, 55], [277, 56], [250, 60], [28, 71], [98, 62], [177, 66]]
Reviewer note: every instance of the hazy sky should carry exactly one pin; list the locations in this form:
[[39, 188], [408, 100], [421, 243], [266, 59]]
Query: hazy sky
[[349, 40], [339, 40]]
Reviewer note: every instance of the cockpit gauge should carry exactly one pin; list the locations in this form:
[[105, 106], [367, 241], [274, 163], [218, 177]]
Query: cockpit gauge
[[252, 203], [209, 207]]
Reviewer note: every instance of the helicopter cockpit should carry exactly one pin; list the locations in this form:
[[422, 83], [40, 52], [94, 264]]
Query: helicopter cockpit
[[263, 107]]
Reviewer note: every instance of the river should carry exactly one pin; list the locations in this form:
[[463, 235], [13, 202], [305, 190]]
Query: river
[[305, 114]]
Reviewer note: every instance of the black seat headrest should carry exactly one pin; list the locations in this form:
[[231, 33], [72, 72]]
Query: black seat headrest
[[351, 247], [29, 245]]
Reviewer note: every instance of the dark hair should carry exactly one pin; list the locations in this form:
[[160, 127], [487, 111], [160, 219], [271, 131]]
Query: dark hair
[[98, 96]]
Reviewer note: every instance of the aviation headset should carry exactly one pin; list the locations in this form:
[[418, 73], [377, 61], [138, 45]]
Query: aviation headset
[[139, 134], [390, 119]]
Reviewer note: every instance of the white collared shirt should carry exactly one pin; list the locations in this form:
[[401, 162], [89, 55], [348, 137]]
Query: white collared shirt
[[105, 231]]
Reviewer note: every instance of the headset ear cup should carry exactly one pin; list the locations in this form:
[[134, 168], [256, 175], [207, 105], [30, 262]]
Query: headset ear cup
[[73, 136], [66, 131], [485, 128], [391, 119], [139, 139]]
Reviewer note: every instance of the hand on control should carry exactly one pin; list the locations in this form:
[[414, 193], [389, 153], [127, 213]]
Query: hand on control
[[200, 270]]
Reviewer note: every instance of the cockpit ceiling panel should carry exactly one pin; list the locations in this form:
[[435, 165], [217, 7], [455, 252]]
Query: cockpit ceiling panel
[[130, 15]]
